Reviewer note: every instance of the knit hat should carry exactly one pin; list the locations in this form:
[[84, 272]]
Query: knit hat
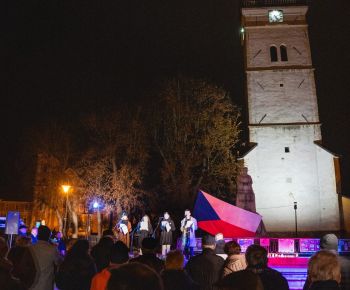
[[329, 242]]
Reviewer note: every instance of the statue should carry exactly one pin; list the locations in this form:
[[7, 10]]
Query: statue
[[245, 195]]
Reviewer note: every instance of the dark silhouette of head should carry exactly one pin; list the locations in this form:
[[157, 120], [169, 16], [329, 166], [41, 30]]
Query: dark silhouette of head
[[241, 280], [149, 245], [44, 233], [329, 242], [256, 257], [79, 249], [119, 253], [134, 276], [174, 260], [232, 248], [108, 233]]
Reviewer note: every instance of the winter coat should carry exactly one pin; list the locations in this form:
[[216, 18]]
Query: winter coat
[[325, 285], [234, 263], [191, 230], [271, 279], [205, 269], [150, 260], [45, 257], [178, 279], [76, 273], [125, 238]]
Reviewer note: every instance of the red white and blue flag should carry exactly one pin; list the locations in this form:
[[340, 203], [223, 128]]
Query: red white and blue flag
[[217, 216]]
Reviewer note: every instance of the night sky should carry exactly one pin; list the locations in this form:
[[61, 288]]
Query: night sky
[[69, 57]]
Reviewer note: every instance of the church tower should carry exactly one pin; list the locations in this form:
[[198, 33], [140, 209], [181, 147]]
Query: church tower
[[287, 163]]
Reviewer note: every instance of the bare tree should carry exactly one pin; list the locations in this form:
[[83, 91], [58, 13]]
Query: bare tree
[[195, 128], [113, 166]]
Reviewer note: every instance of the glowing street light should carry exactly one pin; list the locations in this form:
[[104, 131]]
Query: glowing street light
[[96, 205], [66, 189]]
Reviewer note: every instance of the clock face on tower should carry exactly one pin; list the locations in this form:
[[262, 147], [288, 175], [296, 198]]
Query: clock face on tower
[[275, 16]]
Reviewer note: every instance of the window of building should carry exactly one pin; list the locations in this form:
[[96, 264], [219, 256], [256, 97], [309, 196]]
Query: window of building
[[284, 55], [286, 149], [273, 53]]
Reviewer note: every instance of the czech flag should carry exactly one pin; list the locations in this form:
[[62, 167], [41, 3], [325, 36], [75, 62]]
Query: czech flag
[[217, 216]]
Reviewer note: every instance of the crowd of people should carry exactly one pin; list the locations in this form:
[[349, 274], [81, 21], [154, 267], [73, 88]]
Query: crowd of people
[[40, 264]]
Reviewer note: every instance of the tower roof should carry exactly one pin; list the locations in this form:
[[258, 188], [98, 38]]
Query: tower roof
[[271, 3]]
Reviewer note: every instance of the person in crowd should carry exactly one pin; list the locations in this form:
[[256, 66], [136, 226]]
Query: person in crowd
[[167, 227], [123, 229], [77, 269], [134, 276], [256, 257], [39, 261], [206, 268], [22, 230], [235, 261], [174, 276], [34, 235], [188, 228], [144, 229], [119, 256], [101, 252], [61, 244], [330, 242], [241, 280], [109, 234], [149, 246], [16, 253], [324, 271], [7, 282], [220, 245]]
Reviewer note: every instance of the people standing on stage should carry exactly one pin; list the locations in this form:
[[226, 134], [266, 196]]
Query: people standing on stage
[[167, 227], [188, 228], [144, 229], [123, 229]]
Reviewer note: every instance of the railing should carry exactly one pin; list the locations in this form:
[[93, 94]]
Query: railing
[[264, 3]]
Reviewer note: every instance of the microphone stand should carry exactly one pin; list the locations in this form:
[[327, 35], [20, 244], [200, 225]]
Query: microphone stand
[[154, 232]]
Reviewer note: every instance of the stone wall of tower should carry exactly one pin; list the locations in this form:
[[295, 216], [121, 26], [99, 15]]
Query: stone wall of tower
[[282, 96], [302, 174], [260, 39]]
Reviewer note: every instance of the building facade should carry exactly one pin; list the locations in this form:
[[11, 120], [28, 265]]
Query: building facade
[[23, 207], [288, 164]]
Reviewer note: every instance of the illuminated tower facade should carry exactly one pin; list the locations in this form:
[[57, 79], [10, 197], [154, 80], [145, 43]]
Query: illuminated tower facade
[[287, 162]]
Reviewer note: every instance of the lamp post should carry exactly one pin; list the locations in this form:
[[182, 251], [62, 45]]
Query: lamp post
[[66, 189], [296, 218], [96, 206]]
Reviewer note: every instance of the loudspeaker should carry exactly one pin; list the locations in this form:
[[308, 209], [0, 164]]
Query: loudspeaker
[[12, 222]]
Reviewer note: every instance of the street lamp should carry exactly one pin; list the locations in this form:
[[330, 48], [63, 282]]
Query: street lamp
[[96, 206], [66, 189]]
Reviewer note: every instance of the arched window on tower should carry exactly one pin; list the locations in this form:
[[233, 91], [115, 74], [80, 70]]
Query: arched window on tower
[[284, 55], [273, 53]]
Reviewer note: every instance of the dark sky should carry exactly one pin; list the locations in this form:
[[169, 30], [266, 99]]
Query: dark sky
[[67, 57]]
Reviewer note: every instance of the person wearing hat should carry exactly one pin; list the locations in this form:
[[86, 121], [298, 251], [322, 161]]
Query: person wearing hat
[[330, 242], [123, 228], [205, 269], [148, 257], [22, 230]]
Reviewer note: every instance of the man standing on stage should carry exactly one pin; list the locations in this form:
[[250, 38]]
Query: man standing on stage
[[188, 228]]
